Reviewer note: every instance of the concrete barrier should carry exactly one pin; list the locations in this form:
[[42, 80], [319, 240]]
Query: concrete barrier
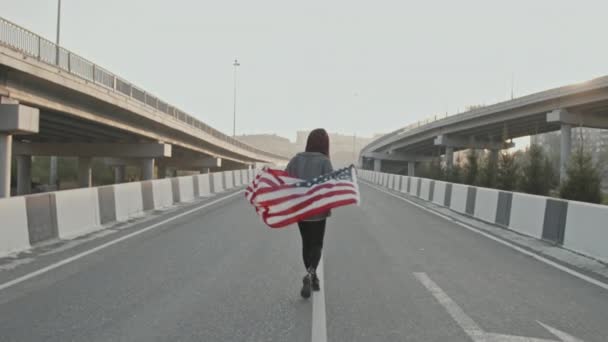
[[129, 203], [251, 175], [41, 217], [439, 193], [14, 232], [107, 204], [459, 198], [486, 204], [186, 188], [413, 189], [391, 181], [162, 193], [204, 185], [527, 214], [587, 229], [217, 180], [404, 181], [237, 178], [425, 188], [77, 212], [245, 180], [228, 179]]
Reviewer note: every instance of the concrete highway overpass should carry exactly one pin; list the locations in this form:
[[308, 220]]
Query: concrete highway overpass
[[491, 127], [54, 102]]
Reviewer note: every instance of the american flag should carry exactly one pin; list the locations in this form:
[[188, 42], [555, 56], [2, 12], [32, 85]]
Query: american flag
[[281, 200]]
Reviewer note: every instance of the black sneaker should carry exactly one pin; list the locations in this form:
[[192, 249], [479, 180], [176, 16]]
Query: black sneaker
[[315, 283], [306, 284]]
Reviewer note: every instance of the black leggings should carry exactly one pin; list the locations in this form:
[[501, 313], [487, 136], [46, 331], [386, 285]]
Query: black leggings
[[312, 242]]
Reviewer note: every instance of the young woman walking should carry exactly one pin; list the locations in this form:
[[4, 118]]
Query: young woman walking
[[308, 165]]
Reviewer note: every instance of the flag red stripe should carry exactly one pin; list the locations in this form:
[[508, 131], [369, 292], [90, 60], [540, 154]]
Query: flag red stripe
[[313, 190], [309, 213], [309, 201]]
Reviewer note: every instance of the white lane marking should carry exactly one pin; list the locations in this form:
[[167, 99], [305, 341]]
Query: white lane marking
[[472, 329], [319, 322], [465, 322], [108, 244], [501, 241]]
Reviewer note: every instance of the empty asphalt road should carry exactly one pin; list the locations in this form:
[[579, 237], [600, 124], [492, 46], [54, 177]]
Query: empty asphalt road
[[392, 272]]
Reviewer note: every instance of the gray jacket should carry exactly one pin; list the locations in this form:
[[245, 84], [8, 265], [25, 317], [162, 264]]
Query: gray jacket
[[308, 165]]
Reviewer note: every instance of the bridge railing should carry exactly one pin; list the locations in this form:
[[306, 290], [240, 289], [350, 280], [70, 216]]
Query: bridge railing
[[31, 44]]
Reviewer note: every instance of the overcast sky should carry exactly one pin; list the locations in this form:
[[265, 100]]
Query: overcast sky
[[359, 67]]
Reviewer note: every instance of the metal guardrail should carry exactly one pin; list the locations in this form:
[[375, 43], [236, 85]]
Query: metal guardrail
[[31, 44]]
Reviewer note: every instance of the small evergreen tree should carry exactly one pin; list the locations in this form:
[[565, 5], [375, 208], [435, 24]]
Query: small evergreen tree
[[507, 173], [583, 180], [536, 175], [454, 174], [471, 169], [487, 171]]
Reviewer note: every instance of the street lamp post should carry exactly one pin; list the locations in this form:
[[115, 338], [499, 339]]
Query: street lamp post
[[53, 160], [58, 30], [236, 64]]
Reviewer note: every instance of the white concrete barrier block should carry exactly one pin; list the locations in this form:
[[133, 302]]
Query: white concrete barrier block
[[14, 235], [385, 180], [404, 180], [528, 214], [162, 193], [486, 202], [204, 186], [439, 193], [129, 202], [228, 179], [245, 180], [425, 187], [218, 182], [238, 181], [251, 175], [459, 198], [77, 212], [414, 185], [587, 229], [391, 181], [186, 188]]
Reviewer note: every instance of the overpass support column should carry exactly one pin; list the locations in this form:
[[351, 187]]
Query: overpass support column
[[53, 172], [449, 157], [24, 175], [6, 149], [411, 168], [85, 173], [566, 149], [14, 119], [147, 169], [120, 174], [377, 165]]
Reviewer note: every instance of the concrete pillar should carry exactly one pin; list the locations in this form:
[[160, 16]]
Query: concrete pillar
[[566, 149], [147, 169], [120, 174], [377, 165], [53, 178], [411, 169], [24, 175], [449, 157], [85, 173], [6, 151]]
